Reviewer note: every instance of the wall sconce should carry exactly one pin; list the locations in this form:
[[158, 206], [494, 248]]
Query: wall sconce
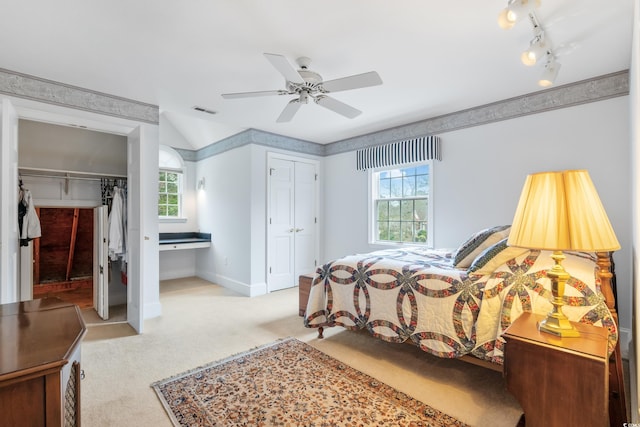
[[201, 184]]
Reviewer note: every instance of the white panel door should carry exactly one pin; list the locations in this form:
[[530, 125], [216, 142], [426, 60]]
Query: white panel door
[[305, 239], [134, 231], [9, 243], [100, 262], [281, 224], [292, 224]]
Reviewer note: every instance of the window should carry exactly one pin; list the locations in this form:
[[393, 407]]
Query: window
[[170, 184], [401, 208], [170, 193]]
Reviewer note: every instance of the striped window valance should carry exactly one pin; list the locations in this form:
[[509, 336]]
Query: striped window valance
[[397, 153]]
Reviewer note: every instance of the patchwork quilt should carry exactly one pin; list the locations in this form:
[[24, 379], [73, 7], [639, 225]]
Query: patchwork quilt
[[417, 294]]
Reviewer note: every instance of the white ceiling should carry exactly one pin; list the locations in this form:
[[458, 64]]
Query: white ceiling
[[434, 57]]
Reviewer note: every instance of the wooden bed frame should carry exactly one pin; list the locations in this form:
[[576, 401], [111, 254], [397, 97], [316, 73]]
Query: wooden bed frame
[[617, 400]]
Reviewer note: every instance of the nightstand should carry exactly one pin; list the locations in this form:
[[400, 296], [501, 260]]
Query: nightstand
[[304, 287], [558, 381]]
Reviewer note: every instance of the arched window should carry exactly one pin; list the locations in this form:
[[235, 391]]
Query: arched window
[[170, 183]]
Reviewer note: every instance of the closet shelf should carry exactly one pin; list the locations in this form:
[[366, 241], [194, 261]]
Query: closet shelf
[[66, 174]]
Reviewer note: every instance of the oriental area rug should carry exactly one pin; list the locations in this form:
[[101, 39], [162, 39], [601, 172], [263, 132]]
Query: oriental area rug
[[289, 383]]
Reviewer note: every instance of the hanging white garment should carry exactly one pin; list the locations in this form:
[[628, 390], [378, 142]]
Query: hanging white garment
[[116, 237], [125, 246], [31, 223]]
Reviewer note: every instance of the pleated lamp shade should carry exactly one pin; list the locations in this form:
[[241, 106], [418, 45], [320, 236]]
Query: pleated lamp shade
[[561, 211]]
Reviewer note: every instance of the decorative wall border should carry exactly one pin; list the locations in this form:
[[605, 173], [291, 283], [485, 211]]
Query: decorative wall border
[[569, 95], [253, 136], [42, 90]]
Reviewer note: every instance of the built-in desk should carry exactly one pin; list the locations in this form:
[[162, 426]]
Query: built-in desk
[[177, 241]]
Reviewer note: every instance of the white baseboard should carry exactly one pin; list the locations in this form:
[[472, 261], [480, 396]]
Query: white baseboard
[[177, 274], [625, 342], [235, 285]]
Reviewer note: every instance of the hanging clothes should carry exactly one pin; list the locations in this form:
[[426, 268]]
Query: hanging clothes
[[117, 224], [114, 196], [28, 221]]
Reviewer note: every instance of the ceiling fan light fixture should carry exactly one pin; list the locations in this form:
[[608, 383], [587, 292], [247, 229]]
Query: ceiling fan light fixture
[[305, 83], [550, 73]]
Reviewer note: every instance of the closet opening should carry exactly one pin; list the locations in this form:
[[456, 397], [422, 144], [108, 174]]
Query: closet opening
[[65, 259], [63, 255], [72, 188]]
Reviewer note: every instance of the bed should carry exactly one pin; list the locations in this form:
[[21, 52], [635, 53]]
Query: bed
[[453, 303], [457, 303]]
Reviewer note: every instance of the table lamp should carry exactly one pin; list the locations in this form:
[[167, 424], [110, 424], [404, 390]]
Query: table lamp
[[561, 211]]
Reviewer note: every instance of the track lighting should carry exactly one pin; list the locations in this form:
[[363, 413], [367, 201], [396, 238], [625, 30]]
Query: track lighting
[[550, 72], [540, 46], [537, 49], [515, 11]]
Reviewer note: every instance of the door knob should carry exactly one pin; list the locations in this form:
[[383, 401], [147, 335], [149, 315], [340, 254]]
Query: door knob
[[299, 229]]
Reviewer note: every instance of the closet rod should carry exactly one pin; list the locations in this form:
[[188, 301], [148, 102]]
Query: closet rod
[[71, 177]]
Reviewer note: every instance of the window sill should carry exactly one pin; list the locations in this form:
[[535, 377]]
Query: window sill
[[172, 220]]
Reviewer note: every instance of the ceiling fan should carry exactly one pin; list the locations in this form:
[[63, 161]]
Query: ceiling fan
[[306, 84]]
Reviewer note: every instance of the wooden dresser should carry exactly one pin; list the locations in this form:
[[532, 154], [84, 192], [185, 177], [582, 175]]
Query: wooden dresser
[[40, 363], [558, 381]]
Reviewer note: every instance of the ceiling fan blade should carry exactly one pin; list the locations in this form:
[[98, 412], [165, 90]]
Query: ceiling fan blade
[[283, 65], [289, 111], [252, 94], [353, 82], [337, 106]]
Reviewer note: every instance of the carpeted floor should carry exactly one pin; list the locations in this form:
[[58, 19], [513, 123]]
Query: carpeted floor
[[289, 382], [202, 322]]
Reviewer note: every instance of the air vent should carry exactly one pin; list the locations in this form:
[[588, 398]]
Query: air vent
[[204, 110]]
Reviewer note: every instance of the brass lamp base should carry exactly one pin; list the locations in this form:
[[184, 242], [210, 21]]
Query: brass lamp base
[[558, 326], [556, 322]]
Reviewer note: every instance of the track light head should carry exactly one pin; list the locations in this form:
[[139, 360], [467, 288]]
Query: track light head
[[550, 72], [515, 11], [537, 49], [506, 19]]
